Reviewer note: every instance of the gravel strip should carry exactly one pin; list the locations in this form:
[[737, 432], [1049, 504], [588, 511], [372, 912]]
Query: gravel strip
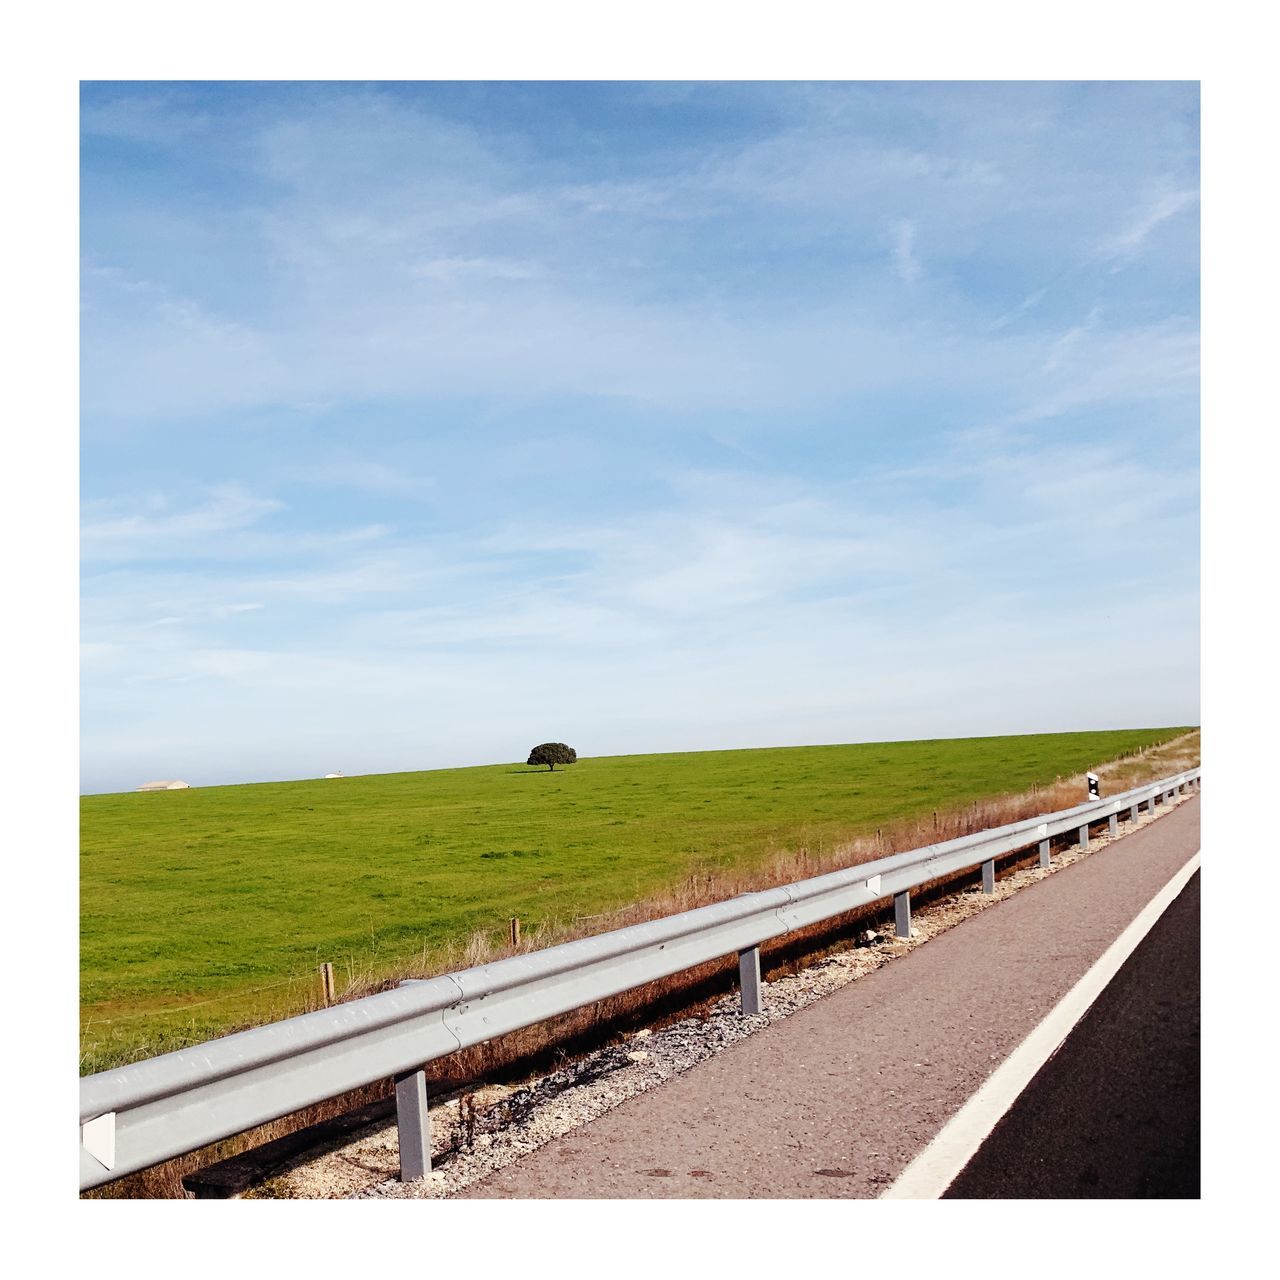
[[491, 1127]]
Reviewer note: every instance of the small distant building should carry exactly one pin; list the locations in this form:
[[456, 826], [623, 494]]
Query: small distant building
[[176, 785], [333, 775]]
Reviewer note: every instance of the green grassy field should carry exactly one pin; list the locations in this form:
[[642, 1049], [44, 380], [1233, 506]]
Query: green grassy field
[[204, 909]]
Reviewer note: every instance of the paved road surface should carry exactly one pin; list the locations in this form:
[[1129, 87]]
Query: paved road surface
[[1115, 1113], [836, 1100]]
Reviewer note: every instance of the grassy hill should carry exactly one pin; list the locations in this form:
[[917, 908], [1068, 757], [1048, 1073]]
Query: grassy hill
[[205, 909]]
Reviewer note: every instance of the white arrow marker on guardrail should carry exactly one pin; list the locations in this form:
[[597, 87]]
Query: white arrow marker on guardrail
[[98, 1138]]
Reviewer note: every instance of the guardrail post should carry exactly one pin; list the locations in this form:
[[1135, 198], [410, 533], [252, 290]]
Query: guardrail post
[[1044, 855], [1134, 810], [902, 913], [749, 979], [1082, 836], [1113, 825], [989, 876], [414, 1125]]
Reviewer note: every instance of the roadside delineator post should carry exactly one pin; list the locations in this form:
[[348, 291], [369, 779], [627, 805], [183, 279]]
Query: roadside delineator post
[[749, 980], [413, 1125]]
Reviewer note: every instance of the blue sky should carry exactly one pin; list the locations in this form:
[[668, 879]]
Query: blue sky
[[424, 422]]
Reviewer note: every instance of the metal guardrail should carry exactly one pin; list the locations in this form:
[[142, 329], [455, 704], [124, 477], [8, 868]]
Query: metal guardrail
[[139, 1115]]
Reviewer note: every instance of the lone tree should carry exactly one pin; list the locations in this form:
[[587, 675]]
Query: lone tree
[[552, 754]]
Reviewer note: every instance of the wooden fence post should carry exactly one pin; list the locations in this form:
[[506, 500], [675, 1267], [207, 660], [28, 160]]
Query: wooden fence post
[[515, 931], [326, 983]]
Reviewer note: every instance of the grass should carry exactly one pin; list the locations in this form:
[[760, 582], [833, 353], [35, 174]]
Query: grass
[[209, 909]]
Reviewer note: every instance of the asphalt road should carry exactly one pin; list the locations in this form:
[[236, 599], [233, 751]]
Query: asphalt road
[[838, 1099], [1115, 1113]]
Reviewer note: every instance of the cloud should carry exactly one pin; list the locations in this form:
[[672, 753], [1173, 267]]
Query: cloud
[[1090, 366], [905, 261], [155, 118], [1029, 303], [158, 529], [453, 269], [369, 476], [1063, 346], [1129, 239], [225, 526], [395, 340]]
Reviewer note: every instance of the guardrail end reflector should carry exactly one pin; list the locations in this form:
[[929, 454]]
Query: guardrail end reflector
[[874, 884], [98, 1138]]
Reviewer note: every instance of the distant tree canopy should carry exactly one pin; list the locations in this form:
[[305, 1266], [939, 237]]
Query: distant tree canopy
[[552, 754]]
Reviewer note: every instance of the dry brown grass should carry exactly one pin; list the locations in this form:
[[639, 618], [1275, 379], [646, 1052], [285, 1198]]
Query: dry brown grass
[[520, 1053]]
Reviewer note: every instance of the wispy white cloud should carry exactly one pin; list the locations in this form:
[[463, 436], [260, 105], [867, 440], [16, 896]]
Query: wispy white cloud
[[1093, 366], [397, 342], [1029, 303], [1134, 234], [454, 269], [149, 117], [158, 528], [369, 476], [905, 261], [228, 524], [1062, 346]]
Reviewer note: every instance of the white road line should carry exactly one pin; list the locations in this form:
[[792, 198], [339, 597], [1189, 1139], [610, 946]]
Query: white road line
[[939, 1164]]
